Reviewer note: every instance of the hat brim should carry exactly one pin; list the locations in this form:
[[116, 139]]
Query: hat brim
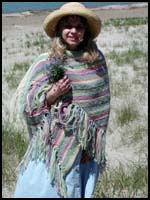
[[53, 18]]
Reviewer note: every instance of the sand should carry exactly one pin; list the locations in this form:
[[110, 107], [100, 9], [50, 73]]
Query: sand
[[35, 19]]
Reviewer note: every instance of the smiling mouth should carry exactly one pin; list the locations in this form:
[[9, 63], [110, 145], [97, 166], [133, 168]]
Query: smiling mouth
[[73, 39]]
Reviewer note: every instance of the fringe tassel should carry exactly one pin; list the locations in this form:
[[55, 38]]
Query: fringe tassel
[[62, 185], [53, 165], [99, 148]]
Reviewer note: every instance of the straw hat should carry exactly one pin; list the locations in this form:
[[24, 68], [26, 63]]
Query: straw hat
[[72, 8]]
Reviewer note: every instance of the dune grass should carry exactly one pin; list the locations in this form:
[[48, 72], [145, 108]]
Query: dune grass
[[126, 22], [127, 56], [14, 76], [14, 145], [119, 183]]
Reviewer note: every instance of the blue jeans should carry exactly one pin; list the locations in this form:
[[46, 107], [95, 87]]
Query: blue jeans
[[80, 181]]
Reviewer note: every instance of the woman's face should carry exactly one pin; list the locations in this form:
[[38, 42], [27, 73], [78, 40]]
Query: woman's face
[[72, 31]]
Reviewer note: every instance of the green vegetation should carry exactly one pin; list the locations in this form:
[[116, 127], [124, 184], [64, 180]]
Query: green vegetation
[[35, 39], [121, 58], [14, 146], [139, 132], [14, 76], [126, 114], [56, 73], [126, 22], [119, 183], [15, 140], [120, 88]]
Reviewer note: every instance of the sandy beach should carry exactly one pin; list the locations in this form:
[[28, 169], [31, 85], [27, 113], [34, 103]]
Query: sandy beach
[[21, 30], [35, 19]]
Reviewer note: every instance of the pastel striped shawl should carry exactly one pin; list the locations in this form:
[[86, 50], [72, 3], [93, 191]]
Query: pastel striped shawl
[[57, 136]]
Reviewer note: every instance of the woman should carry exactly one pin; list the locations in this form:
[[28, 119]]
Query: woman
[[67, 118]]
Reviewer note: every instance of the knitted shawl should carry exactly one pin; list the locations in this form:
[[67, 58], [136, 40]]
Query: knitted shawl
[[76, 121]]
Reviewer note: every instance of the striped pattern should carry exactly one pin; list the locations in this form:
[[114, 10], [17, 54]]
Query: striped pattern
[[91, 89], [57, 136]]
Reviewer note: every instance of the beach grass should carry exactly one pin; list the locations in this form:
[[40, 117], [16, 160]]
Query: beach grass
[[14, 146], [126, 22], [35, 39], [14, 76], [119, 183], [128, 56], [126, 114]]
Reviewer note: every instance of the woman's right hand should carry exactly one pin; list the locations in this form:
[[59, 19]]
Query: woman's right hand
[[59, 88], [62, 86]]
